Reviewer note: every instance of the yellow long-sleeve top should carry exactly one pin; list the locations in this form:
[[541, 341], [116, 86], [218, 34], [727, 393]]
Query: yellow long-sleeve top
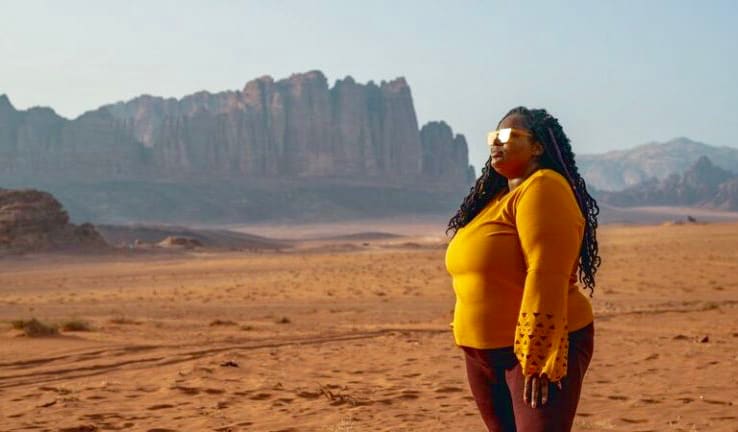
[[514, 274]]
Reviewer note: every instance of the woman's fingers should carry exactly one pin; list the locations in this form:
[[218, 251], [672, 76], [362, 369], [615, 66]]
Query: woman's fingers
[[535, 391], [544, 390]]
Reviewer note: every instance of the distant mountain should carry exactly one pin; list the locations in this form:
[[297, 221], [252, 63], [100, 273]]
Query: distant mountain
[[702, 185], [617, 170], [727, 195], [240, 155]]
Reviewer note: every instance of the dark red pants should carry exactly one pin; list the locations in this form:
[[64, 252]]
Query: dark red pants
[[496, 382]]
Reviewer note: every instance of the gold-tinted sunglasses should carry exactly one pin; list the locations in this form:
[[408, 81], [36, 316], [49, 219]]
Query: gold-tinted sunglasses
[[503, 136]]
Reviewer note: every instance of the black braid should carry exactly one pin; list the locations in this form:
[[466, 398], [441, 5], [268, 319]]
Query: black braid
[[557, 156]]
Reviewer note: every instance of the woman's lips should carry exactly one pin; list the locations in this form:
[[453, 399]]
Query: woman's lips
[[496, 155]]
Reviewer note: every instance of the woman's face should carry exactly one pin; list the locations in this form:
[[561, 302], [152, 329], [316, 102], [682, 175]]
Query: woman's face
[[517, 157]]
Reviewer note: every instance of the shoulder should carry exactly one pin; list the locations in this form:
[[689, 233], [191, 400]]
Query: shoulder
[[547, 176], [546, 180], [549, 189]]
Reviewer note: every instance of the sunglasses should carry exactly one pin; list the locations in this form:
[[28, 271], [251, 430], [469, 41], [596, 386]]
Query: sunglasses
[[503, 136]]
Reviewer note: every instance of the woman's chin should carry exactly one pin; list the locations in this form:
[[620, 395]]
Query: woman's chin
[[498, 165]]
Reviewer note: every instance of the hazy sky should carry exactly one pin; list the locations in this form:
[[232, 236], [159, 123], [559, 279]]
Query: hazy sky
[[616, 73]]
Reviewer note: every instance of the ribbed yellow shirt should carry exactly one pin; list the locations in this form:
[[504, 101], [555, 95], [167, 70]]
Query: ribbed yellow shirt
[[514, 274]]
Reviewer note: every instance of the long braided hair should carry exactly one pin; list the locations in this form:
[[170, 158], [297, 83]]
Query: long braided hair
[[558, 156]]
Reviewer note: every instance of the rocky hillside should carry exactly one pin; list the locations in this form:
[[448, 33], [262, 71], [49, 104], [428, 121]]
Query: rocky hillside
[[34, 221], [702, 185], [295, 148], [297, 127], [617, 170]]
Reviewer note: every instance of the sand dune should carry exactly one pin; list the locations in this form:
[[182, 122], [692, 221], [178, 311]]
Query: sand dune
[[350, 339], [127, 235]]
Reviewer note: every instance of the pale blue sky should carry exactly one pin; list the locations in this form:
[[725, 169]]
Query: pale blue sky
[[616, 73]]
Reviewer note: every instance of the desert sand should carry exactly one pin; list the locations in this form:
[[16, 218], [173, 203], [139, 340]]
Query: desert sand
[[350, 334]]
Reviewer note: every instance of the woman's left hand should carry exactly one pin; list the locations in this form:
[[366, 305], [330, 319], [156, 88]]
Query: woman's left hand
[[535, 390]]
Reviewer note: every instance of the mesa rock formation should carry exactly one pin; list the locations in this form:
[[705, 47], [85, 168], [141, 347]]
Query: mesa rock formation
[[294, 148], [296, 127], [34, 221]]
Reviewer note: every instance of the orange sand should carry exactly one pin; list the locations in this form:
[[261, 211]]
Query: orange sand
[[350, 336]]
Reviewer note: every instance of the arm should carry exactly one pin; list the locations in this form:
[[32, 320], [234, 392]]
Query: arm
[[549, 226]]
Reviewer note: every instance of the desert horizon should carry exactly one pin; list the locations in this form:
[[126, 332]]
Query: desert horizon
[[347, 333]]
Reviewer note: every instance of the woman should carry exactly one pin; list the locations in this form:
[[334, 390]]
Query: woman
[[520, 237]]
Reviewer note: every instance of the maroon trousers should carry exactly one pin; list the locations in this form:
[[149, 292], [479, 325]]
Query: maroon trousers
[[496, 382]]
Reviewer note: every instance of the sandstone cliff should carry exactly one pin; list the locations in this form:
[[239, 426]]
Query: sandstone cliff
[[38, 143], [240, 155], [298, 127], [295, 127]]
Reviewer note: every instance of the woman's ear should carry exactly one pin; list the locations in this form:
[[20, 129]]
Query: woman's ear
[[537, 148]]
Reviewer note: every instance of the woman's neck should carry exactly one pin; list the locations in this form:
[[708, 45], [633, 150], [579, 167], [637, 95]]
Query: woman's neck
[[513, 182]]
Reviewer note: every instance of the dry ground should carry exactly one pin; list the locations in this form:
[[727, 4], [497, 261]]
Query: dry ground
[[350, 337]]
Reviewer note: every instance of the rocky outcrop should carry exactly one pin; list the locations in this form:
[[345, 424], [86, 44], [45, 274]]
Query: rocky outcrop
[[703, 184], [34, 221], [445, 155]]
